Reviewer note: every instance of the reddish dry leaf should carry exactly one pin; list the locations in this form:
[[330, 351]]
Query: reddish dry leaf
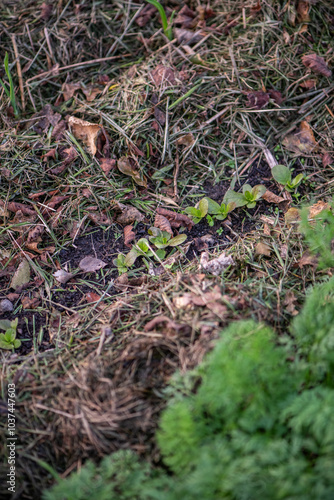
[[100, 219], [160, 116], [308, 84], [129, 215], [55, 200], [129, 235], [47, 118], [176, 220], [163, 75], [102, 79], [146, 15], [272, 198], [34, 247], [302, 141], [290, 301], [35, 234], [107, 164], [303, 9], [13, 206], [186, 140], [86, 132], [316, 64], [326, 159], [46, 10], [257, 99], [91, 92], [307, 260], [186, 18], [68, 155], [170, 324], [58, 131], [49, 154], [30, 303], [276, 96], [92, 297], [69, 89], [163, 223]]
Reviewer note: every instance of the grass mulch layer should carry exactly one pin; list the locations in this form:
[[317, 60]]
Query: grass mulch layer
[[240, 88]]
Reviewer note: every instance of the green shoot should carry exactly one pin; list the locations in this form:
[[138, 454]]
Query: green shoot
[[199, 211], [163, 239], [166, 27], [8, 339], [11, 93], [248, 197], [220, 212], [282, 175]]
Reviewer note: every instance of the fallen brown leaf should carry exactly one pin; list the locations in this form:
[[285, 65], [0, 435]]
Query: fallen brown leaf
[[129, 235], [316, 64], [302, 141], [92, 297], [307, 260], [86, 132], [217, 265], [276, 96], [30, 303], [290, 303], [188, 37], [47, 118], [62, 276], [91, 264], [160, 116], [317, 208], [308, 84], [13, 206], [46, 11], [257, 99], [91, 92], [129, 215], [185, 17], [186, 140], [163, 75], [303, 9], [107, 164], [145, 15], [68, 155], [163, 223], [49, 154], [99, 218], [169, 324], [69, 89], [124, 166], [58, 131], [175, 219], [35, 233], [327, 159], [262, 248], [272, 197]]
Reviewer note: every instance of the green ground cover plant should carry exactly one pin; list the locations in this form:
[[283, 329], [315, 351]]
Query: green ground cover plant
[[283, 175]]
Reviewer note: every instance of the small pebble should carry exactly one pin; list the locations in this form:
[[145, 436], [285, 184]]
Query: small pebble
[[6, 306]]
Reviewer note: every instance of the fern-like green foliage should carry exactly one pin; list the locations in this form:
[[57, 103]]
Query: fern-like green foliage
[[259, 425]]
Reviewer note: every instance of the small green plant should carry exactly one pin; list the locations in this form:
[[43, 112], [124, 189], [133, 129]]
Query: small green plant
[[220, 212], [163, 239], [122, 263], [11, 92], [249, 196], [8, 339], [283, 175], [167, 27], [199, 211]]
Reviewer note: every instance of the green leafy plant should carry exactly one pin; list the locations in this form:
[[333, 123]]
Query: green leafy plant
[[167, 27], [8, 339], [199, 211], [163, 239], [11, 92], [249, 196], [283, 175], [220, 212]]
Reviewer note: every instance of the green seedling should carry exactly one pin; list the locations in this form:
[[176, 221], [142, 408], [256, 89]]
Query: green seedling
[[163, 239], [167, 27], [282, 175], [199, 211], [11, 92], [8, 339], [220, 212], [248, 197]]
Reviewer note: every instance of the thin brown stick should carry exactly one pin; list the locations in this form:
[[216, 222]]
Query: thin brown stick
[[76, 65], [19, 72], [176, 172]]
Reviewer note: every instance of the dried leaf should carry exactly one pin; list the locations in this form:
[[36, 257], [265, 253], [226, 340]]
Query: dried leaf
[[307, 260], [21, 276], [145, 15], [35, 233], [58, 131], [92, 297], [308, 84], [91, 92], [168, 324], [303, 9], [107, 164], [46, 11], [292, 216], [69, 89], [47, 118], [160, 116], [176, 220], [129, 215], [257, 99], [317, 208], [30, 303], [185, 17], [186, 140], [276, 96], [13, 206], [302, 141], [163, 75], [272, 197], [62, 276], [188, 37], [50, 154], [100, 219], [163, 223], [326, 159], [126, 168], [91, 264], [290, 301], [86, 132], [129, 235], [262, 248], [215, 266], [68, 155], [316, 64]]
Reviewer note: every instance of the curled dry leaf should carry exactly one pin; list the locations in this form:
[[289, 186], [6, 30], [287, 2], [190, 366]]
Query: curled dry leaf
[[86, 132], [100, 219], [276, 96], [107, 164], [215, 266], [69, 89], [316, 209], [35, 233], [163, 75], [129, 235], [13, 206], [129, 215], [68, 155], [327, 159], [124, 166], [47, 118], [185, 17], [316, 64], [303, 10], [62, 276], [302, 141], [50, 154], [167, 322], [307, 260], [163, 223], [30, 303], [272, 197], [91, 92], [262, 248], [308, 84], [91, 264], [175, 219]]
